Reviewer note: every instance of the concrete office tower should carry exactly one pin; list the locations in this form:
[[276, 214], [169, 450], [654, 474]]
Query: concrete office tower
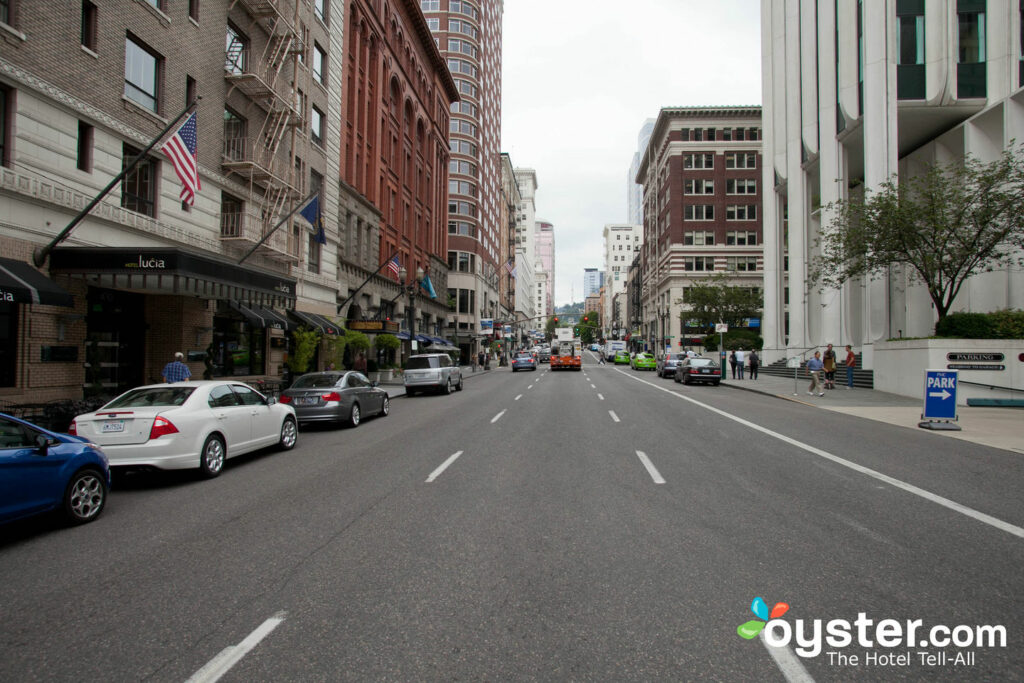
[[526, 252], [881, 88], [544, 244], [634, 191], [702, 212], [592, 281], [469, 36], [621, 243]]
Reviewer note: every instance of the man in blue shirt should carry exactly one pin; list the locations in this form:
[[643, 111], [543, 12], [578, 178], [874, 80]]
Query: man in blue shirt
[[814, 368], [176, 371]]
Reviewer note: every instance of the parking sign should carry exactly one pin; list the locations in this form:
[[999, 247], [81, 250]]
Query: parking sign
[[940, 394]]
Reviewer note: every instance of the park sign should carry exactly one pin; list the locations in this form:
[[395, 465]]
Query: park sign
[[939, 399]]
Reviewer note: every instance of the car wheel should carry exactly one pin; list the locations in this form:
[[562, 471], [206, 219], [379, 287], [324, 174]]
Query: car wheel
[[686, 380], [211, 459], [385, 407], [289, 434], [675, 378], [514, 369], [458, 387], [715, 383], [448, 386], [85, 496], [410, 392], [354, 417]]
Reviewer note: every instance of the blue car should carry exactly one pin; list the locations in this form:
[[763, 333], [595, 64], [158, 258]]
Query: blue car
[[524, 360], [42, 470]]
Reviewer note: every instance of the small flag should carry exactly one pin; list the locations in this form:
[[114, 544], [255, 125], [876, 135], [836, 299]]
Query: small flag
[[311, 212], [181, 149], [428, 286], [510, 267], [394, 266]]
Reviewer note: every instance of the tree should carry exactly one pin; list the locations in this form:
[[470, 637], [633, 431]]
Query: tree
[[590, 327], [715, 300], [550, 326], [945, 225], [305, 343]]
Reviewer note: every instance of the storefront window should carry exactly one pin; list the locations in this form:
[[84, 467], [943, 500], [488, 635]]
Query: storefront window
[[8, 343], [238, 346]]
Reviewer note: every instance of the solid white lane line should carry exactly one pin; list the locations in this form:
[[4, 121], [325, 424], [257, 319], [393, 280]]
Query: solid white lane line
[[498, 416], [437, 473], [651, 469], [788, 663], [518, 397], [909, 488], [614, 416], [229, 656], [530, 387], [592, 386], [601, 396]]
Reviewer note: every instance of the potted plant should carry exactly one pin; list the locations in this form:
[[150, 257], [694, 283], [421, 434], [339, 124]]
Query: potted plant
[[386, 345]]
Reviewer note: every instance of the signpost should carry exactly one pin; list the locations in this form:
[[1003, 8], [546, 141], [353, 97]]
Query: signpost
[[940, 400], [721, 329], [794, 362]]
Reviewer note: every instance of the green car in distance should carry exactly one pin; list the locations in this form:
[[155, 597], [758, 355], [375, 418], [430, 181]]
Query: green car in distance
[[621, 358], [644, 361]]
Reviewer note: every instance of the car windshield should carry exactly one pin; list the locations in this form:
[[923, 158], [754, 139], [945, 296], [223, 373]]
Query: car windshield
[[152, 396], [524, 356], [677, 356], [703, 363], [423, 363], [644, 355], [317, 381]]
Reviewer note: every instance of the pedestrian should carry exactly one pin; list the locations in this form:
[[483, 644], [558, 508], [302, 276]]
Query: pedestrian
[[740, 358], [480, 359], [360, 363], [732, 363], [600, 357], [851, 362], [176, 370], [814, 367], [754, 361], [829, 362]]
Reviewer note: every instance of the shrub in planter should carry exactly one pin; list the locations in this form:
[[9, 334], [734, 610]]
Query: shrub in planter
[[966, 326]]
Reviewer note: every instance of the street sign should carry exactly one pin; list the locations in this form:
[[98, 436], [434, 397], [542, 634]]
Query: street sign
[[793, 362], [976, 357], [721, 328], [940, 394]]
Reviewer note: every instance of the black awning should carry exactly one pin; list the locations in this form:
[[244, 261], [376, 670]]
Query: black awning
[[247, 313], [317, 322], [173, 270], [23, 284], [274, 318]]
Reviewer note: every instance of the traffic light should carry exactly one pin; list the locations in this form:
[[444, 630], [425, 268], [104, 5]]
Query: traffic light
[[584, 318], [556, 319]]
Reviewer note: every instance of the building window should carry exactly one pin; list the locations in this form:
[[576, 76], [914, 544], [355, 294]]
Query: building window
[[193, 10], [741, 186], [699, 161], [138, 189], [237, 345], [89, 24], [740, 238], [741, 160], [699, 187], [8, 344], [910, 38], [699, 263], [320, 9], [231, 215], [141, 75], [316, 123], [434, 24], [971, 44], [319, 61], [742, 212], [699, 212], [5, 12], [699, 238], [430, 5], [6, 106], [234, 136], [745, 264], [158, 4], [313, 259], [236, 55], [85, 142]]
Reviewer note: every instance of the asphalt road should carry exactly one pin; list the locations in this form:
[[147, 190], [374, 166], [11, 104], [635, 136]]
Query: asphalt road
[[597, 525]]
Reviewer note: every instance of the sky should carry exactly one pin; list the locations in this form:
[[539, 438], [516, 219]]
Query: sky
[[580, 77]]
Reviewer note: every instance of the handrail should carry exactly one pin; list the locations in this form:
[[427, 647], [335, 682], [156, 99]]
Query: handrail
[[990, 386]]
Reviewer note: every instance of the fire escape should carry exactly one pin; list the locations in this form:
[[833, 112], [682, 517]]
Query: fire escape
[[264, 160]]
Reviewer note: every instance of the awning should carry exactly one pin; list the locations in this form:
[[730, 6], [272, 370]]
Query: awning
[[247, 313], [404, 336], [21, 283], [423, 339], [317, 322], [262, 317], [173, 270]]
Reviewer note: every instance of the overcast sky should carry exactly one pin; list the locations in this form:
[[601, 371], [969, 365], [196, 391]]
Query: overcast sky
[[579, 79]]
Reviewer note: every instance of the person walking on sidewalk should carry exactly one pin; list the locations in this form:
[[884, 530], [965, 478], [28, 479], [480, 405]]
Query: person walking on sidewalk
[[814, 367], [176, 370], [754, 362], [732, 363], [740, 358], [851, 362], [829, 362]]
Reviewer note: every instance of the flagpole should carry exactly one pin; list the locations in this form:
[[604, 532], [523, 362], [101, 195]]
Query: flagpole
[[279, 224], [40, 254], [356, 290]]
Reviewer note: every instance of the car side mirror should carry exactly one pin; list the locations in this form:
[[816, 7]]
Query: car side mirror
[[42, 443], [374, 383], [271, 400]]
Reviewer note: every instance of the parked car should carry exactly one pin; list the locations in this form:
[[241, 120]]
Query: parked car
[[44, 470], [595, 347], [187, 424], [643, 361], [525, 361], [667, 364], [621, 358], [544, 355], [698, 369], [336, 397], [432, 371]]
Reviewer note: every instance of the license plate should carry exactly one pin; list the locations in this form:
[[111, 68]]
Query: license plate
[[112, 426], [308, 401], [706, 372]]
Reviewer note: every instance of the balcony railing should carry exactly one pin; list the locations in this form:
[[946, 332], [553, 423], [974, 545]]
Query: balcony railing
[[244, 226]]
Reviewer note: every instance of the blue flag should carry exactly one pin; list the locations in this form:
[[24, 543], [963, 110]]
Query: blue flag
[[428, 286], [311, 212]]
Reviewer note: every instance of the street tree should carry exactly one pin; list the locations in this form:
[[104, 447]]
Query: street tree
[[714, 300], [550, 326], [590, 327], [944, 225]]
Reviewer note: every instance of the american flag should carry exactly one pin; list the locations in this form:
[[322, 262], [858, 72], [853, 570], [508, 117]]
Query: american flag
[[511, 268], [181, 148], [394, 266]]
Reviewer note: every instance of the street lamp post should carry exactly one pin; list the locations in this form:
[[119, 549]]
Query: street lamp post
[[410, 289]]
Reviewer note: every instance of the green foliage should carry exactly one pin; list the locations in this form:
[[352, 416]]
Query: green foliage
[[715, 300], [387, 342], [305, 342], [357, 341], [735, 339], [945, 225], [590, 329], [550, 326], [334, 349], [1006, 324]]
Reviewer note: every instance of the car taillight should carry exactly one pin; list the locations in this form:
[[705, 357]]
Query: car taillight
[[285, 399], [73, 429], [333, 396], [161, 426]]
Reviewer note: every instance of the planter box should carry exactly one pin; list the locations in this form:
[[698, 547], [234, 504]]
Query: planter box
[[899, 366]]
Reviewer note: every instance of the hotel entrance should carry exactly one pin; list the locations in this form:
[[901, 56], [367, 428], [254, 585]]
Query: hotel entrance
[[114, 343]]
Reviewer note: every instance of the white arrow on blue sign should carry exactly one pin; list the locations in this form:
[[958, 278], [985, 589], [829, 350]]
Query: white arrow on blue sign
[[940, 394]]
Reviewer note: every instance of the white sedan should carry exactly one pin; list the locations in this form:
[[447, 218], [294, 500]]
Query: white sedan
[[187, 424]]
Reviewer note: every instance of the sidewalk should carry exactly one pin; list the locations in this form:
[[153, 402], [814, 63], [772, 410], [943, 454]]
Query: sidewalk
[[395, 388], [995, 427]]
